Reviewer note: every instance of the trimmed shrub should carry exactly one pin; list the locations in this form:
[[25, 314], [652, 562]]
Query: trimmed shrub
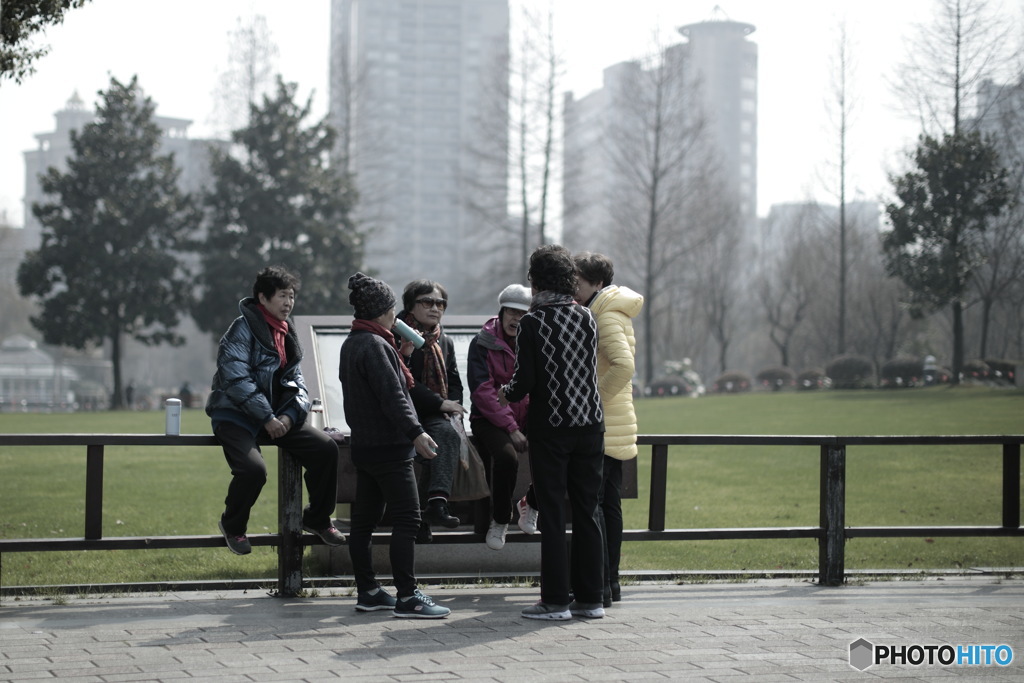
[[814, 378], [1003, 371], [902, 372], [976, 370], [851, 372], [776, 378], [733, 383]]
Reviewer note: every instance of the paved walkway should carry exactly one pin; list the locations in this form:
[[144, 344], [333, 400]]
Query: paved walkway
[[759, 630]]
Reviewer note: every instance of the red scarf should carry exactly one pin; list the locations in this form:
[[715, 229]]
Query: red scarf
[[278, 330], [435, 375], [385, 334]]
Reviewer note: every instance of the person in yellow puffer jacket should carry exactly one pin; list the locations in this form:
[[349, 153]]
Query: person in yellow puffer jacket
[[613, 307]]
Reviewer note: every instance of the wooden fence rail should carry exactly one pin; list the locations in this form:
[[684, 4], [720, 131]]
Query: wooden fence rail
[[831, 531]]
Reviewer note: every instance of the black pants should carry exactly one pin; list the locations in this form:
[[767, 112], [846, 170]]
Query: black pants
[[496, 444], [568, 461], [610, 515], [312, 448], [390, 484]]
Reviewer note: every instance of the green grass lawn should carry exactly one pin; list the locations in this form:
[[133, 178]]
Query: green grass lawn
[[171, 491]]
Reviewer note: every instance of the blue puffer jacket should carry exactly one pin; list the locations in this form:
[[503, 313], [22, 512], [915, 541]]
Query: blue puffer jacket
[[250, 387]]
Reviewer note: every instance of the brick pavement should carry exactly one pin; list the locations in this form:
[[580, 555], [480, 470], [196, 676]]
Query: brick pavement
[[768, 630]]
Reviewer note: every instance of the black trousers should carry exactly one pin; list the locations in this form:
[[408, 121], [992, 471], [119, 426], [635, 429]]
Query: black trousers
[[312, 448], [496, 444], [610, 514], [569, 461], [379, 485]]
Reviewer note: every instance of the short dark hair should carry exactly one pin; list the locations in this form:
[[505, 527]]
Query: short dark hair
[[418, 288], [594, 268], [552, 269], [271, 279]]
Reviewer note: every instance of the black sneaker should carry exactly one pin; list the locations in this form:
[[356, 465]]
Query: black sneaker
[[330, 535], [377, 601], [424, 534], [239, 545], [419, 606], [437, 513]]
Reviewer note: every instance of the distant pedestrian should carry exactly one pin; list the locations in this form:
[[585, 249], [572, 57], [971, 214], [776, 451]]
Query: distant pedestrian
[[259, 389], [385, 436], [556, 366], [185, 394]]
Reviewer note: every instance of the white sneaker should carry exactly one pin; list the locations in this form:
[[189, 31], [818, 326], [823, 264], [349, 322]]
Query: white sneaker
[[527, 516], [496, 535]]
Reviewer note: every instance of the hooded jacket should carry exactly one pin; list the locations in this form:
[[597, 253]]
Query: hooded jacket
[[614, 308], [490, 365], [250, 386]]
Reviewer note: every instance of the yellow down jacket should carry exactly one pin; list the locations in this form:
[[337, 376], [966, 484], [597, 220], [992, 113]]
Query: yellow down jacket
[[614, 308]]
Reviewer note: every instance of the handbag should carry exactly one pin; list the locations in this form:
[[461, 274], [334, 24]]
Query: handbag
[[470, 482]]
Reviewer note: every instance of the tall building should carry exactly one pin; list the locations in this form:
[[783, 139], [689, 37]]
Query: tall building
[[717, 67], [417, 92]]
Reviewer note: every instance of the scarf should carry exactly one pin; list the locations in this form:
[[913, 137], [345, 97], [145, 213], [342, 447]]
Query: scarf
[[435, 374], [550, 298], [386, 335], [278, 331]]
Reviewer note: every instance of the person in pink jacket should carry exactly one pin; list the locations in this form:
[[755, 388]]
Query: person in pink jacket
[[498, 429]]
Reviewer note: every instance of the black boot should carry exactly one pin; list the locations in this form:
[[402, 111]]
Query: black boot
[[423, 534], [616, 591], [437, 513]]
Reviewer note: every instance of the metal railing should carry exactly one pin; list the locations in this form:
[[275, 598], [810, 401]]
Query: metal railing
[[831, 531]]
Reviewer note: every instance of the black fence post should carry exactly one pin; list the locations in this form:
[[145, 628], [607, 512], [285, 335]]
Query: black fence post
[[659, 476], [289, 496], [94, 492], [1011, 485], [832, 515]]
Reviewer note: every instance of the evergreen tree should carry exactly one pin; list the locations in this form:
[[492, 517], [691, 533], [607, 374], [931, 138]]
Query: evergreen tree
[[277, 200], [109, 263], [941, 210], [20, 21]]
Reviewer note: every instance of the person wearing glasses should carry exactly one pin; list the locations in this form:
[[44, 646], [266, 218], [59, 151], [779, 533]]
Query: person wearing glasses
[[499, 430], [436, 395]]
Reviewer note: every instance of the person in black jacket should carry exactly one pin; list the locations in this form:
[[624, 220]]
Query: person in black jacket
[[385, 433], [258, 390], [556, 366], [436, 394]]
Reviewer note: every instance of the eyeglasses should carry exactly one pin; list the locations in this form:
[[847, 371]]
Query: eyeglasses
[[430, 303]]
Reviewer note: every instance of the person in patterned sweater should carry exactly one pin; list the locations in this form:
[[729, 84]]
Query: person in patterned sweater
[[556, 366]]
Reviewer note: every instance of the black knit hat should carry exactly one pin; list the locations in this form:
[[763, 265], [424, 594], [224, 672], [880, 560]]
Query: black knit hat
[[371, 298]]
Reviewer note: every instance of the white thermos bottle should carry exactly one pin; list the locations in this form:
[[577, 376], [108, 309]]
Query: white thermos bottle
[[173, 427]]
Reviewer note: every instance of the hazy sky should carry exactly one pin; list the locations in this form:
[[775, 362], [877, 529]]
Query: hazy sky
[[178, 47]]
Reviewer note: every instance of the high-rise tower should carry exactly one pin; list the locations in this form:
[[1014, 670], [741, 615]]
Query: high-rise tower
[[412, 93]]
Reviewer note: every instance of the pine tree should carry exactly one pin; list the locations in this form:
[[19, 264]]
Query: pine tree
[[110, 264], [276, 200]]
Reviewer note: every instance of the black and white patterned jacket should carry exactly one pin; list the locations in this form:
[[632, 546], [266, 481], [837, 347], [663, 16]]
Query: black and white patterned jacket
[[556, 365]]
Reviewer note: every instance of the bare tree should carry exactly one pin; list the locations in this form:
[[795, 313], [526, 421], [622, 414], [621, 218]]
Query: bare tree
[[965, 44], [659, 153], [840, 109], [790, 279], [249, 75]]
